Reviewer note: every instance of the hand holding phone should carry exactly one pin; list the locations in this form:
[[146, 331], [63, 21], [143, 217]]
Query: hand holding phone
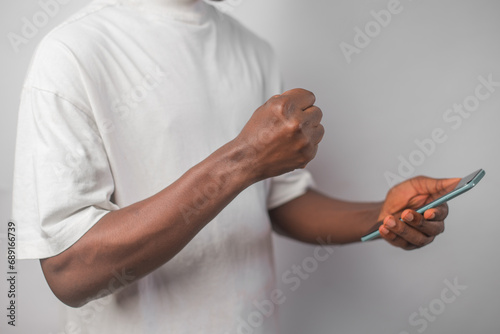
[[464, 185]]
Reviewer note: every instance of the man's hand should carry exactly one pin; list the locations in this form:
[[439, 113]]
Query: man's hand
[[417, 230], [283, 134]]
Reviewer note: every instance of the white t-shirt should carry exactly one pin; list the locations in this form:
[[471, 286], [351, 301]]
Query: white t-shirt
[[119, 102]]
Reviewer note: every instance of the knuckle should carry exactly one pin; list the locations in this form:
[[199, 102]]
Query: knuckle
[[419, 178], [294, 126], [436, 228], [409, 247], [421, 242], [306, 91], [321, 130], [311, 93], [391, 237], [318, 112], [281, 104], [419, 222], [403, 229], [424, 241]]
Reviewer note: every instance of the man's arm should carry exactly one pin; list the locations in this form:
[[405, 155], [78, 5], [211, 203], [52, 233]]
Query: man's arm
[[282, 135], [315, 215]]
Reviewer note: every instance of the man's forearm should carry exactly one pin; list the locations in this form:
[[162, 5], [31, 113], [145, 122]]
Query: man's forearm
[[143, 236], [282, 135], [314, 216]]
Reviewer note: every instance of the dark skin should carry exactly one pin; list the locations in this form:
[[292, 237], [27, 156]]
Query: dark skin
[[345, 222], [282, 135]]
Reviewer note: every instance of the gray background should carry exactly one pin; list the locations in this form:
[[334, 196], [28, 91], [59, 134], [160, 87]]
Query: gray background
[[395, 91]]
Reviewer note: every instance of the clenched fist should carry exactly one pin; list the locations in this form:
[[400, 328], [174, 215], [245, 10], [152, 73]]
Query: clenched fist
[[283, 134]]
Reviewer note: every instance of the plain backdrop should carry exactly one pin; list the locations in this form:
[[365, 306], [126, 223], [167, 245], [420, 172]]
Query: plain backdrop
[[393, 92]]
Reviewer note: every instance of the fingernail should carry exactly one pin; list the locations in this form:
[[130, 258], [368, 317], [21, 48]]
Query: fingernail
[[409, 217], [391, 223], [432, 216]]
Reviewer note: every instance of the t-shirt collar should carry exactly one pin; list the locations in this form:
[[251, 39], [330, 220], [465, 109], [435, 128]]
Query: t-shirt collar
[[188, 11]]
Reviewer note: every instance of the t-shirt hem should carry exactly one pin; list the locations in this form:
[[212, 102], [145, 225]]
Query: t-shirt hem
[[293, 191], [44, 248]]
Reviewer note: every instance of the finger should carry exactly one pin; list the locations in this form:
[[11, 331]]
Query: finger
[[444, 186], [394, 239], [311, 118], [318, 134], [315, 130], [410, 234], [313, 115], [438, 213], [448, 185], [301, 98], [418, 222]]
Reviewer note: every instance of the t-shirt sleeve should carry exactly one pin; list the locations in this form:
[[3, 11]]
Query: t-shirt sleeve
[[62, 179], [289, 186]]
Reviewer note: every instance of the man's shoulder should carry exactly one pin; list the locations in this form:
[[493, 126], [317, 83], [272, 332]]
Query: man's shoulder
[[83, 26], [66, 47]]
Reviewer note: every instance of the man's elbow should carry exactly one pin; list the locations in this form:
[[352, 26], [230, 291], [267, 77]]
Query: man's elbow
[[70, 301], [65, 285]]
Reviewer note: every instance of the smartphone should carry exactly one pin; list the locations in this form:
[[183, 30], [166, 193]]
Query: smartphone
[[464, 185]]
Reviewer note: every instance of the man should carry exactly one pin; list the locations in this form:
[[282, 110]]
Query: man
[[150, 169]]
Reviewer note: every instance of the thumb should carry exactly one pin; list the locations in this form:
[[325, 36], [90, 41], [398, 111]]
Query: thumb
[[449, 184], [443, 186]]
